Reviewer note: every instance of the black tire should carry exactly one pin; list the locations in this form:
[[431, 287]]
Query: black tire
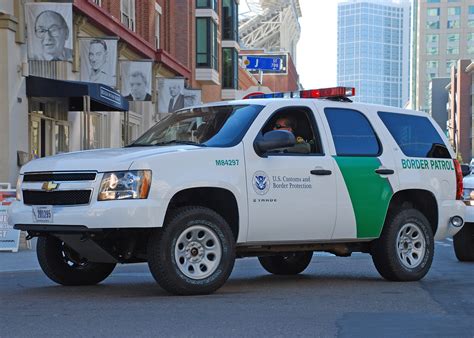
[[390, 255], [63, 266], [464, 243], [291, 263], [189, 267]]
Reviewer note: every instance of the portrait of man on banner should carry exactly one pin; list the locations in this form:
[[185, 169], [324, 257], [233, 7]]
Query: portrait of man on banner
[[49, 27], [98, 60], [170, 95], [136, 80]]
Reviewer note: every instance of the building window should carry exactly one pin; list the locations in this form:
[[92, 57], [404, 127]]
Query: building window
[[432, 24], [127, 12], [449, 64], [454, 11], [230, 20], [229, 68], [432, 44], [453, 38], [432, 51], [433, 11], [432, 39], [431, 69], [452, 50], [206, 43], [470, 43], [97, 2], [455, 23], [471, 17], [212, 4]]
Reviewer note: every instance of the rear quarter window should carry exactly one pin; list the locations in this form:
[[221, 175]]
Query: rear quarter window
[[415, 135]]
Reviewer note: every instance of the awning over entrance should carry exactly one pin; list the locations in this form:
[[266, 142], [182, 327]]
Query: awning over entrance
[[102, 97]]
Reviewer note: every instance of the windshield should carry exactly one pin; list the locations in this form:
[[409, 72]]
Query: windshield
[[217, 126]]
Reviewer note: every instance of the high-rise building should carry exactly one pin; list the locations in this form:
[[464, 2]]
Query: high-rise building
[[373, 50], [444, 30]]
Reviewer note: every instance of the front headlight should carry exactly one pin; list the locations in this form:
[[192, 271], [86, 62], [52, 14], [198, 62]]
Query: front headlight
[[123, 185], [18, 188]]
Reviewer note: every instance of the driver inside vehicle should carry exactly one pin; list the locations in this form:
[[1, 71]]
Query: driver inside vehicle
[[289, 124]]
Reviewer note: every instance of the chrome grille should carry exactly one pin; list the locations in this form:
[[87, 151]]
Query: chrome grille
[[61, 177], [65, 197]]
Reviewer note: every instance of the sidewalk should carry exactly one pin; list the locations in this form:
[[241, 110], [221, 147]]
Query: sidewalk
[[23, 260]]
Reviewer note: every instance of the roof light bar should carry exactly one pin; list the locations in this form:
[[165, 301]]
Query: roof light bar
[[322, 93]]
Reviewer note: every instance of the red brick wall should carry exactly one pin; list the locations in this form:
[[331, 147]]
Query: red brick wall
[[246, 80], [144, 17], [183, 14], [145, 20]]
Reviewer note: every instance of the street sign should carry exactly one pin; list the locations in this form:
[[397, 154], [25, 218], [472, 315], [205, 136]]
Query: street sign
[[262, 63]]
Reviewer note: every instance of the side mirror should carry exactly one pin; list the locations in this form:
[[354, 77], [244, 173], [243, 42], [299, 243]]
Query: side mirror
[[465, 169], [273, 140]]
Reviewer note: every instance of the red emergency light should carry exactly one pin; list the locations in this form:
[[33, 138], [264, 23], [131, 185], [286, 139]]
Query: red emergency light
[[327, 92], [335, 93]]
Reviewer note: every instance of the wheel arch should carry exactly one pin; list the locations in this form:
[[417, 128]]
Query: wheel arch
[[422, 200], [221, 200]]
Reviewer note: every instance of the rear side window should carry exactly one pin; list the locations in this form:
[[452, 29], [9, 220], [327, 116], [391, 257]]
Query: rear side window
[[415, 135], [352, 133]]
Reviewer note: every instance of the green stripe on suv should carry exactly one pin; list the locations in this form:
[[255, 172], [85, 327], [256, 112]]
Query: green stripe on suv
[[370, 193]]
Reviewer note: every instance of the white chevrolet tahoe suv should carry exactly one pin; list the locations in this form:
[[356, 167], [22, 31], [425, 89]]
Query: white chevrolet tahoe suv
[[227, 180]]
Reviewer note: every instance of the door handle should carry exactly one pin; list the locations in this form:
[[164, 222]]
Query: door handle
[[385, 171], [321, 172]]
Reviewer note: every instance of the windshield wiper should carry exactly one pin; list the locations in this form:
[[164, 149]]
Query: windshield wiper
[[180, 142], [138, 145]]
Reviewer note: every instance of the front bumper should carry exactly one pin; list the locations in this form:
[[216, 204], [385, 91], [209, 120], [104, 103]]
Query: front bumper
[[145, 213]]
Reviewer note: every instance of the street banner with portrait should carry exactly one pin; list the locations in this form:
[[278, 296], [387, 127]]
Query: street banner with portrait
[[136, 77], [170, 95], [99, 60], [49, 27], [9, 237], [192, 97]]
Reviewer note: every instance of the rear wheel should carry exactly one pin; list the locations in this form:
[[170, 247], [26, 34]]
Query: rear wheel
[[464, 243], [194, 253], [64, 266], [288, 264], [404, 251]]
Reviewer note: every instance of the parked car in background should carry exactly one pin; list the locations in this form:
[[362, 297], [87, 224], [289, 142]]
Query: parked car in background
[[464, 239]]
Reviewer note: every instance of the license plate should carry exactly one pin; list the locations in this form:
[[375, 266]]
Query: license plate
[[43, 213]]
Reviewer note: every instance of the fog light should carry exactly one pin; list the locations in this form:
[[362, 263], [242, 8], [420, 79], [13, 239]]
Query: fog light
[[457, 221]]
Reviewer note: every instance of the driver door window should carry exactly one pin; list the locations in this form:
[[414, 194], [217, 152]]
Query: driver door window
[[300, 122]]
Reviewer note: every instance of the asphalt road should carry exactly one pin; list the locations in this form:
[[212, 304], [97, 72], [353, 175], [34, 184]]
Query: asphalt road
[[342, 297]]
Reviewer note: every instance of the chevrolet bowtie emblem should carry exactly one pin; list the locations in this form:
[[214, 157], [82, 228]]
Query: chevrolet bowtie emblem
[[49, 186]]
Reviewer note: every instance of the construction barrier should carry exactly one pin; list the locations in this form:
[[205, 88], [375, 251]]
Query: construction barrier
[[9, 237]]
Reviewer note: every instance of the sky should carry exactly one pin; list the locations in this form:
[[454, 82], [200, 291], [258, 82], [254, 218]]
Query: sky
[[317, 48]]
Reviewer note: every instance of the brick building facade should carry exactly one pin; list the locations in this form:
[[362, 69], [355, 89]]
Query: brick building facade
[[190, 41]]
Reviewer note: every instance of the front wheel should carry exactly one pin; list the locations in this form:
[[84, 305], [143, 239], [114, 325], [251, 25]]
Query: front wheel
[[464, 243], [64, 266], [405, 250], [194, 253], [286, 264]]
